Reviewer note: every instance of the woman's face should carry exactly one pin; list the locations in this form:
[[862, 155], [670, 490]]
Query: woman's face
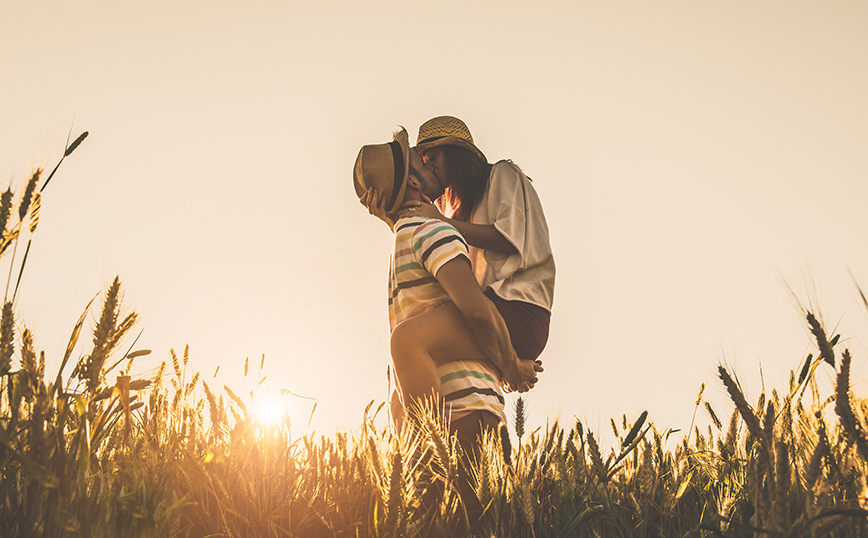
[[436, 161]]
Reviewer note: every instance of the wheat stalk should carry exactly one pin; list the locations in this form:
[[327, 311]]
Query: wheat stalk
[[7, 335], [782, 487]]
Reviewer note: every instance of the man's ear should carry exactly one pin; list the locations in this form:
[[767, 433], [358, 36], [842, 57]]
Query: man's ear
[[414, 181]]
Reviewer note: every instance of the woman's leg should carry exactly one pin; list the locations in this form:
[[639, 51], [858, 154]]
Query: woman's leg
[[528, 325], [441, 334]]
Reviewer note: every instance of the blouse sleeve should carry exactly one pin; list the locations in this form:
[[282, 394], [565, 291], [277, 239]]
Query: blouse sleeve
[[507, 207], [515, 211]]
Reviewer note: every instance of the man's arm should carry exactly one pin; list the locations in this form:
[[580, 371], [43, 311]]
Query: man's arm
[[487, 325]]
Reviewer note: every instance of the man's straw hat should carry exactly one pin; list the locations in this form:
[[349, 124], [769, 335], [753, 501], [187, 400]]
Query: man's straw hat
[[384, 167], [446, 131]]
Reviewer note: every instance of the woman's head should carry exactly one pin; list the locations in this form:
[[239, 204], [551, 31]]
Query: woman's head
[[446, 130], [461, 168], [462, 173]]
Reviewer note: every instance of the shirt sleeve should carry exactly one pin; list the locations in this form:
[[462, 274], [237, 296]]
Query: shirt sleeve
[[507, 204], [515, 211], [436, 243]]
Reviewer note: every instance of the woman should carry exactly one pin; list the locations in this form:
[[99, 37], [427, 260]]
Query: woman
[[497, 210]]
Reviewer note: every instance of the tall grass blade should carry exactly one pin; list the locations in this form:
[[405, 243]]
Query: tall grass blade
[[73, 340]]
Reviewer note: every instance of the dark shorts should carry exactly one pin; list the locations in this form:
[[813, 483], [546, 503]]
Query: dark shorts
[[528, 325]]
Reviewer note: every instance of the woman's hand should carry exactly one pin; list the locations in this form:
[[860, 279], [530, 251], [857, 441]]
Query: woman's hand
[[523, 377], [421, 209], [376, 205]]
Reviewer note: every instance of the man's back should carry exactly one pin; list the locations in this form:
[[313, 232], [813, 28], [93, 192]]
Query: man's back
[[422, 247]]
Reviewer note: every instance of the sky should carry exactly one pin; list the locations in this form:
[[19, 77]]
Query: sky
[[702, 166]]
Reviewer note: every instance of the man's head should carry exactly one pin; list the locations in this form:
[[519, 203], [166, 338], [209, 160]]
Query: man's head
[[395, 170]]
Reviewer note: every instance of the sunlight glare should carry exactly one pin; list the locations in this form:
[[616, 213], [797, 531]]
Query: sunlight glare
[[269, 407]]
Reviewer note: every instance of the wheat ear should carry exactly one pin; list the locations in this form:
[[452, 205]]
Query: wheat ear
[[844, 409], [826, 351], [747, 414]]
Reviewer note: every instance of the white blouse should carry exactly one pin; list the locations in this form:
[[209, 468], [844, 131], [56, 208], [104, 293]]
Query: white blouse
[[512, 205]]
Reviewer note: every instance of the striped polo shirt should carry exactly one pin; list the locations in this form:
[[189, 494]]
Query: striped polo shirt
[[422, 247]]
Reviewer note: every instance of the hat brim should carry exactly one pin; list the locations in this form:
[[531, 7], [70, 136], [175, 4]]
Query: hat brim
[[450, 141], [403, 141]]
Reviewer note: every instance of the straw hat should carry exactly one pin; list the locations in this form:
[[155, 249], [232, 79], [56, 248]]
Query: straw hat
[[446, 131], [384, 167]]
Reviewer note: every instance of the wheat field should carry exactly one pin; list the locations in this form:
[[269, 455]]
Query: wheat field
[[96, 449]]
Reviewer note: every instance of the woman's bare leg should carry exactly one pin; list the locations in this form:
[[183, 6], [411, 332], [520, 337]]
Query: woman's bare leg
[[420, 342]]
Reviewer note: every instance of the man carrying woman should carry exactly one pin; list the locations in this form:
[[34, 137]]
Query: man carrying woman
[[497, 210], [450, 340]]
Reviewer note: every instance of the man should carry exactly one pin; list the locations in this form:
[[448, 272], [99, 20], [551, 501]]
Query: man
[[448, 339]]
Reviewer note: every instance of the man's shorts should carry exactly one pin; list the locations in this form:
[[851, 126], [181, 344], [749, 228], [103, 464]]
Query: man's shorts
[[528, 325], [471, 385]]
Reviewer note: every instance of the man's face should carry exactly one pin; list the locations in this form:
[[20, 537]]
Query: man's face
[[422, 179], [436, 161]]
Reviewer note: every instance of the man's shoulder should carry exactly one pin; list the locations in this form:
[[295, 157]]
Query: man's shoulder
[[424, 225], [408, 224], [424, 230], [415, 225], [430, 235]]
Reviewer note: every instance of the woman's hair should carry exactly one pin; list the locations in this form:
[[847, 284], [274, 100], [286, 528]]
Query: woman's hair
[[468, 177]]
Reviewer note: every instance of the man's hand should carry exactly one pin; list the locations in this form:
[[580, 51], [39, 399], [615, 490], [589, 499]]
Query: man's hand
[[523, 377], [376, 205]]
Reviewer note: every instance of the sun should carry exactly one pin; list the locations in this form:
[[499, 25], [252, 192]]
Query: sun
[[269, 407]]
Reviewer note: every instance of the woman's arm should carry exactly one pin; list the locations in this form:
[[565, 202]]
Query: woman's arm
[[484, 236]]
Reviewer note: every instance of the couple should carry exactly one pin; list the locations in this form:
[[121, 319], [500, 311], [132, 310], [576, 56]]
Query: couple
[[470, 294]]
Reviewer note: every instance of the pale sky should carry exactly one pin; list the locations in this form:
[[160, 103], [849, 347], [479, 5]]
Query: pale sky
[[690, 156]]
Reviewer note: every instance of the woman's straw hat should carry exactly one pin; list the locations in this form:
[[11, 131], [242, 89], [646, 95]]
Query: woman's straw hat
[[446, 131], [384, 167]]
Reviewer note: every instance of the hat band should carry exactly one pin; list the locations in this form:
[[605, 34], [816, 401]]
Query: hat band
[[431, 139], [398, 160]]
